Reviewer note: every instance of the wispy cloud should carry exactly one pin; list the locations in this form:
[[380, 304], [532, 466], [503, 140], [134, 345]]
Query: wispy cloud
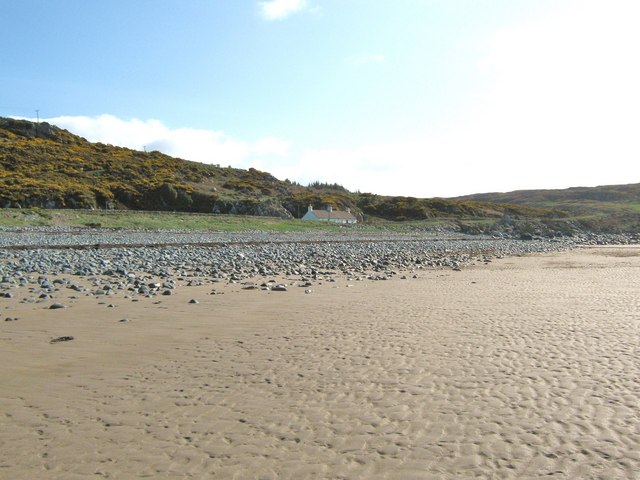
[[206, 146], [280, 9]]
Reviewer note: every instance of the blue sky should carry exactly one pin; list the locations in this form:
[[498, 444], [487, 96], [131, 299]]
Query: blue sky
[[405, 97]]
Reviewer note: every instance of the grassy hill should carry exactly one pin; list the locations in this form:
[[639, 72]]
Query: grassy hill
[[47, 167], [603, 208]]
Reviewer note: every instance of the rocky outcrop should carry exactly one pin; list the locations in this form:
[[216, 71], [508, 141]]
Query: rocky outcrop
[[29, 129], [260, 208]]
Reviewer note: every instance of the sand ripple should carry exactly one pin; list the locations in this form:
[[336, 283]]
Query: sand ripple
[[525, 369]]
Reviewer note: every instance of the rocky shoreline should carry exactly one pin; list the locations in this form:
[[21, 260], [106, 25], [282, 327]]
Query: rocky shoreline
[[148, 263]]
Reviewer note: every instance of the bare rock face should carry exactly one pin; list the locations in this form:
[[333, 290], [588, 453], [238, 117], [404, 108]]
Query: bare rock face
[[272, 209], [29, 129], [259, 208]]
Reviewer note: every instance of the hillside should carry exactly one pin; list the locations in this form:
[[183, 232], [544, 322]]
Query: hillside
[[602, 208], [47, 167], [607, 193], [44, 166]]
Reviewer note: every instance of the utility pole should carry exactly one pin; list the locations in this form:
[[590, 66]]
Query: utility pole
[[37, 121]]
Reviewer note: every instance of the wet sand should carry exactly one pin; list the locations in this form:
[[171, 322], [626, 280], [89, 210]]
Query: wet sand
[[526, 368]]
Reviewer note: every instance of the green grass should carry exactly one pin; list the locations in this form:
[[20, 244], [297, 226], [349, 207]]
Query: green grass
[[634, 206], [24, 218], [182, 221], [128, 219], [156, 221], [591, 207], [619, 217]]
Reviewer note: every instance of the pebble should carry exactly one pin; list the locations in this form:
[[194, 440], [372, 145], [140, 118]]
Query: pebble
[[65, 338], [29, 256], [56, 306]]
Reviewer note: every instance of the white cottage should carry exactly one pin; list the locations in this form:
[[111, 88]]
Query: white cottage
[[330, 215]]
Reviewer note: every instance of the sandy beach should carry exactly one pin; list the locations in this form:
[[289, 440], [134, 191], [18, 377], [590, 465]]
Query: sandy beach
[[524, 368]]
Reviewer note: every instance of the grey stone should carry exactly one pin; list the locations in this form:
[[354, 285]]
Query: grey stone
[[65, 338]]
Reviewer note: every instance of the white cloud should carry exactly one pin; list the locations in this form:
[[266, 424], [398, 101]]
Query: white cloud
[[271, 146], [421, 168], [563, 105], [206, 146], [280, 9], [556, 106]]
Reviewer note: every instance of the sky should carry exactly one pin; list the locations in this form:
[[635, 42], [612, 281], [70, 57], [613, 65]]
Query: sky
[[422, 98]]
